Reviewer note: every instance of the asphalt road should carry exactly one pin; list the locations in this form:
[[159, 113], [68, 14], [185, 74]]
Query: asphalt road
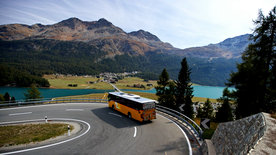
[[110, 132]]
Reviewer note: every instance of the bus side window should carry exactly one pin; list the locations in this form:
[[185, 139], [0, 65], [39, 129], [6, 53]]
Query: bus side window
[[136, 105]]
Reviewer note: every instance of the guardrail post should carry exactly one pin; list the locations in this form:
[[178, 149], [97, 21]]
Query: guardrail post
[[46, 121]]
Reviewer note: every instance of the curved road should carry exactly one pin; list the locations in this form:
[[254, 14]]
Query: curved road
[[110, 132]]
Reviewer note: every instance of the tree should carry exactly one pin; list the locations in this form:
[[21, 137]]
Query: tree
[[166, 90], [13, 99], [200, 112], [184, 89], [207, 110], [170, 95], [224, 113], [7, 96], [2, 99], [161, 88], [255, 79], [32, 93]]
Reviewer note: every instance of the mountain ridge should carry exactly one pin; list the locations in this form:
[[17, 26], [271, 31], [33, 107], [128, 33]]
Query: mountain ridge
[[74, 29], [73, 46], [118, 41]]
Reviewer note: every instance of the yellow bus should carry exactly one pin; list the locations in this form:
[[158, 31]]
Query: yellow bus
[[134, 106]]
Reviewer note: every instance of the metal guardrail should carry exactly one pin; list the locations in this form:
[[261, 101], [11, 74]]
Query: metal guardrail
[[198, 131], [52, 101]]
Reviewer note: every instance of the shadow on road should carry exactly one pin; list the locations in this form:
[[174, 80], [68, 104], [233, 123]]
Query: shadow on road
[[113, 118]]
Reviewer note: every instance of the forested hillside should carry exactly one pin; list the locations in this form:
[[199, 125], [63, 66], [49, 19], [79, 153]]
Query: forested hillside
[[40, 57], [14, 77]]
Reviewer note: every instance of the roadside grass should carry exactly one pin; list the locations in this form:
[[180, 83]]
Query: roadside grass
[[27, 133], [207, 133]]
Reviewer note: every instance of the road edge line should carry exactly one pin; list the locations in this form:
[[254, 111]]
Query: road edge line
[[186, 137]]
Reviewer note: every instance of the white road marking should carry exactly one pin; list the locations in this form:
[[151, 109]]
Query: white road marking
[[186, 137], [23, 113], [135, 131], [45, 146], [74, 110], [114, 114]]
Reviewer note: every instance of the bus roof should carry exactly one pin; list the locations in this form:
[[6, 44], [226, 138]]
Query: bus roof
[[132, 97]]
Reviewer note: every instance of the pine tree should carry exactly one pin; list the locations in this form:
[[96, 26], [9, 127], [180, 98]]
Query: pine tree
[[13, 99], [207, 110], [255, 79], [224, 113], [170, 95], [184, 89], [200, 112], [7, 96], [32, 93], [161, 88]]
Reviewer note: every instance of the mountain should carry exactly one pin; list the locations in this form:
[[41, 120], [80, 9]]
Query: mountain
[[73, 46], [102, 34], [229, 48], [235, 45], [114, 41]]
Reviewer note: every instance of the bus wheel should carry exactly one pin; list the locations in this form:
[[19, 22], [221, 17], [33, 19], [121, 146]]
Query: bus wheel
[[113, 107], [129, 115]]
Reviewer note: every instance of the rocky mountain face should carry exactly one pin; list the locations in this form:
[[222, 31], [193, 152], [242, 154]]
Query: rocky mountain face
[[235, 45], [114, 41], [102, 33], [79, 47], [229, 48]]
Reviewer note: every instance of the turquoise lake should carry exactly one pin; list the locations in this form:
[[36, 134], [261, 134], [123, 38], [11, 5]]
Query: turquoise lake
[[18, 93]]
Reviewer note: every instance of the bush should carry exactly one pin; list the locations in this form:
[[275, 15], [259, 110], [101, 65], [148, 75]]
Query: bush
[[208, 133]]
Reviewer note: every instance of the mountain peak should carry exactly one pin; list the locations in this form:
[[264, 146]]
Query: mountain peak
[[141, 34], [104, 22], [70, 22], [236, 44]]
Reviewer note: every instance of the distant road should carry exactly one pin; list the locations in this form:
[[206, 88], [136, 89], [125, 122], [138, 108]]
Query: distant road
[[110, 133]]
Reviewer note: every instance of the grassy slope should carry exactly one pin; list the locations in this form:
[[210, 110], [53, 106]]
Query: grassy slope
[[61, 82], [23, 134], [122, 84]]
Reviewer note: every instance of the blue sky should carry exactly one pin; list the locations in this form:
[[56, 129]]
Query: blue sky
[[183, 23]]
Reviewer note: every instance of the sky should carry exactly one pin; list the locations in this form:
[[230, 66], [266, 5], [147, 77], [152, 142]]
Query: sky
[[182, 23]]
